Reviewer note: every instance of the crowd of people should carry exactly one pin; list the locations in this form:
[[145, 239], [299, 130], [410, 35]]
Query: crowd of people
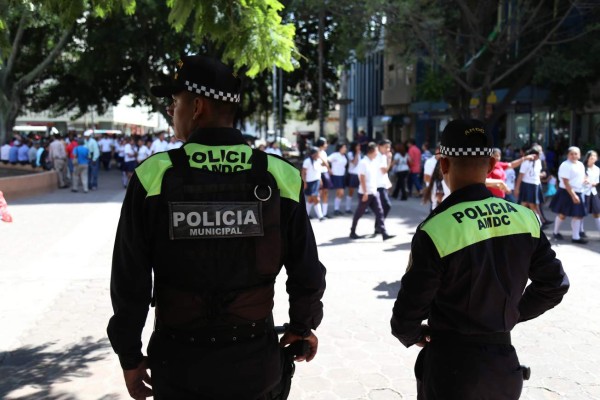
[[530, 176], [77, 158]]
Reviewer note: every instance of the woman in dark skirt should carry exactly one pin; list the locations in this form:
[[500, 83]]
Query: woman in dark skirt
[[591, 200], [568, 201], [528, 187]]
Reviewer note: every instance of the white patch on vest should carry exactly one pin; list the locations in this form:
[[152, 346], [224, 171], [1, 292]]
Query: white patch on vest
[[194, 220]]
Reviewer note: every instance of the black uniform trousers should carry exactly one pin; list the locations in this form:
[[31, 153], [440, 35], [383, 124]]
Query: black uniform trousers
[[241, 371], [468, 371]]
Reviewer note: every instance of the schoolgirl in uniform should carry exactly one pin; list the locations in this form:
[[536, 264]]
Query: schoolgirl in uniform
[[326, 182], [527, 188], [591, 200], [338, 163], [354, 156], [568, 201], [311, 175]]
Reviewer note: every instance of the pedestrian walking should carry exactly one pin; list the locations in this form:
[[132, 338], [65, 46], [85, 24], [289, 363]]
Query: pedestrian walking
[[368, 173], [204, 231], [468, 274]]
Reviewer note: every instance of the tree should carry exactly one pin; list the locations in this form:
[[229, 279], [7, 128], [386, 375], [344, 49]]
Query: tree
[[248, 33], [328, 35], [484, 45]]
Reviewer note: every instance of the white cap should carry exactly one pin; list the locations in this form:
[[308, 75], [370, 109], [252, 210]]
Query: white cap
[[88, 133]]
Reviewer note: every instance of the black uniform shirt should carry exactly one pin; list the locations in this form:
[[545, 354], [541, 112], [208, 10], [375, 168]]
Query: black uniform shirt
[[131, 279], [469, 265]]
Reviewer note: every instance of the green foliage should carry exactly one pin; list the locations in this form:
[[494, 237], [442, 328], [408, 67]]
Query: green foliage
[[484, 45], [250, 31], [434, 85]]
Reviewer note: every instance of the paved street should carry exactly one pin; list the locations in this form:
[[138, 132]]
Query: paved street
[[54, 307]]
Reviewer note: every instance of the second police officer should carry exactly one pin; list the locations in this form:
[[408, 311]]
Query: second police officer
[[468, 274], [204, 231]]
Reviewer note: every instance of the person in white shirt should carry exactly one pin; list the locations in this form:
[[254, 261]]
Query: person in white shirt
[[368, 173], [143, 150], [591, 201], [384, 158], [130, 159], [511, 178], [436, 189], [401, 170], [106, 145], [326, 183], [159, 144], [354, 157], [274, 149], [120, 152], [568, 201], [174, 143], [528, 187], [338, 163], [311, 176]]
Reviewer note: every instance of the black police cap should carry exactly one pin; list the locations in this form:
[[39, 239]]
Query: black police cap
[[204, 76], [466, 138]]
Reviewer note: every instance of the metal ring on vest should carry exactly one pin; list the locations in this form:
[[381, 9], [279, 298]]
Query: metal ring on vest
[[262, 199]]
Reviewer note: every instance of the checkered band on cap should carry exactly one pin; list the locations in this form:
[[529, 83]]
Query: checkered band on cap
[[466, 151], [212, 93]]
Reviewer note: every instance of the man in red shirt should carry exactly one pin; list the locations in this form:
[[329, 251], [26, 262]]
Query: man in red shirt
[[414, 164], [496, 179]]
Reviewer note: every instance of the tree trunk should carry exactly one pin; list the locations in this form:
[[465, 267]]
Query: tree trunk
[[321, 45]]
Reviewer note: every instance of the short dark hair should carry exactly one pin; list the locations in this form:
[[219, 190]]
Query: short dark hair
[[371, 147], [383, 142]]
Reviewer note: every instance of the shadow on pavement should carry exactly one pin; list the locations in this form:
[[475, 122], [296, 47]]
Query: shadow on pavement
[[33, 370], [399, 246], [336, 241], [392, 289]]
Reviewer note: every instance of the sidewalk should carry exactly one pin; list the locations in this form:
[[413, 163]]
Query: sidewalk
[[55, 304]]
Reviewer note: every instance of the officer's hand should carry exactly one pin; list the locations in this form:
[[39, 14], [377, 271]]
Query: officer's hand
[[365, 197], [135, 379], [313, 343], [425, 336]]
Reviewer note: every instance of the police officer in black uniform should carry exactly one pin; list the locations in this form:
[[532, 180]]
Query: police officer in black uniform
[[467, 274], [203, 233]]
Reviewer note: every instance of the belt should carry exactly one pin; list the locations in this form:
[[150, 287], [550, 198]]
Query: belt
[[482, 338], [234, 333]]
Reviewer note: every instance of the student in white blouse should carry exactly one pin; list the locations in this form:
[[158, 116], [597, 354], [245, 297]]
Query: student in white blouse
[[591, 200], [568, 201]]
